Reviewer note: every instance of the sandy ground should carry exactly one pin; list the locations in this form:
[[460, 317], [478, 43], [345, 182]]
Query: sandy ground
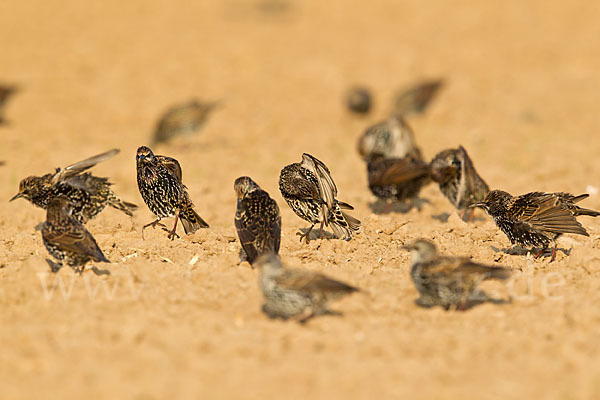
[[522, 95]]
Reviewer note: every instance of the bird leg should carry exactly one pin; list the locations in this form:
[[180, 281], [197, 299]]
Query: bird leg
[[471, 215], [172, 234], [539, 254], [153, 225], [321, 229], [553, 253], [306, 234]]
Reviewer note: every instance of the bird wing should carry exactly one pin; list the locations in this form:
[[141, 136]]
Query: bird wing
[[396, 171], [87, 181], [327, 188], [74, 238], [545, 212], [263, 224], [417, 97], [302, 189], [310, 283], [83, 165], [471, 183], [171, 164]]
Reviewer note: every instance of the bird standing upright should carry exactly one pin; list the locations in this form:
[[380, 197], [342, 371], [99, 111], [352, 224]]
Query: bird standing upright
[[445, 280], [295, 293], [310, 192], [159, 181], [536, 219], [66, 239], [257, 219], [453, 170], [88, 194]]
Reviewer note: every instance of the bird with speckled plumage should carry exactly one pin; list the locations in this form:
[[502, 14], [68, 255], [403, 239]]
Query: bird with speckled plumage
[[297, 294], [88, 194], [458, 180], [536, 219], [309, 190], [447, 281], [66, 239], [182, 119], [257, 219], [160, 183]]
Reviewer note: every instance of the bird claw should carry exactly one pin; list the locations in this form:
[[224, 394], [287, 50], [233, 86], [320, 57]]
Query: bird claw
[[153, 225], [304, 236], [172, 234]]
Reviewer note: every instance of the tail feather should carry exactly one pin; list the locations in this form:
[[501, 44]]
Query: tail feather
[[191, 221], [343, 224]]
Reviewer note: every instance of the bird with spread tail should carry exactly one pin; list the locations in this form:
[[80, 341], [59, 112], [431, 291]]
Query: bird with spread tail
[[159, 181], [88, 194], [415, 99], [182, 119], [392, 138], [310, 192], [295, 293], [447, 281], [257, 219], [458, 180], [536, 219], [66, 239]]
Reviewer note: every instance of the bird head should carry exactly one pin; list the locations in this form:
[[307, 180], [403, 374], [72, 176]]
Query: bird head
[[445, 165], [60, 205], [27, 188], [496, 202], [244, 185], [144, 155], [421, 250], [268, 263]]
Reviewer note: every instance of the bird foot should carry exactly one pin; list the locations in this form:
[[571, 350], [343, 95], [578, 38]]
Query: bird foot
[[305, 235], [54, 267], [172, 234], [153, 225]]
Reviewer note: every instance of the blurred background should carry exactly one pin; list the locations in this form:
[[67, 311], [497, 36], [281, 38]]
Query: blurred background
[[521, 93]]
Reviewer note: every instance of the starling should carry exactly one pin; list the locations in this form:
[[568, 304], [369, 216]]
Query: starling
[[66, 239], [415, 99], [5, 93], [536, 219], [182, 119], [310, 192], [450, 282], [159, 181], [397, 179], [358, 100], [257, 219], [295, 293], [453, 170], [392, 138], [89, 194]]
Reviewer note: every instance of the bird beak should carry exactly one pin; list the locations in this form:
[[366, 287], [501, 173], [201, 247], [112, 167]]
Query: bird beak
[[481, 204], [406, 247], [17, 196]]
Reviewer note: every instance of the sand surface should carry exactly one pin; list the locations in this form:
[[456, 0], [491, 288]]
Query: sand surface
[[522, 96]]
